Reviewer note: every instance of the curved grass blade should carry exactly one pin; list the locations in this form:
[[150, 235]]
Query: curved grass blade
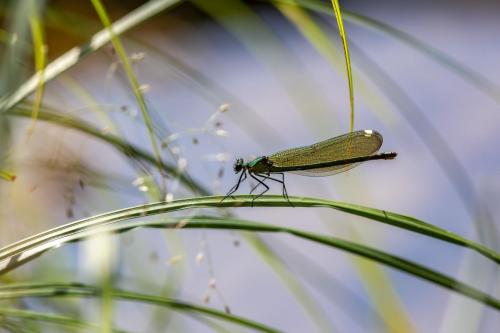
[[215, 93], [323, 44], [207, 87], [25, 250], [348, 246], [73, 56], [70, 58], [39, 53], [17, 253], [49, 318], [467, 73], [371, 275], [135, 152], [126, 148], [122, 54], [446, 158], [14, 326], [262, 42], [48, 239], [81, 290], [195, 79], [444, 155], [340, 24]]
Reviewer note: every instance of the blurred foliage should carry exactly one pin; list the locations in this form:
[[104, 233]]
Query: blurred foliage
[[44, 46]]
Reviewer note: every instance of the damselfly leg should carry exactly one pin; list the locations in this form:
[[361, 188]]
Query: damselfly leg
[[260, 183], [282, 182], [233, 189], [268, 176]]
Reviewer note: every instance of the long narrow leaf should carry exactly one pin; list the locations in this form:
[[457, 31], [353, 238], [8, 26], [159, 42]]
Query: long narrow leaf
[[126, 148], [39, 52], [135, 152], [73, 56], [340, 24], [23, 251], [467, 73], [322, 42], [207, 87], [134, 82], [371, 275], [262, 42], [14, 254], [48, 318], [437, 145], [81, 290], [348, 246]]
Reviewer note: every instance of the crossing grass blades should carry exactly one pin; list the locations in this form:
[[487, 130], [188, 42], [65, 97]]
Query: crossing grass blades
[[325, 158]]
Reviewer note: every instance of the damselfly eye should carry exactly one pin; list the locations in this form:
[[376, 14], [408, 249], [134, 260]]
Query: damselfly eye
[[238, 165]]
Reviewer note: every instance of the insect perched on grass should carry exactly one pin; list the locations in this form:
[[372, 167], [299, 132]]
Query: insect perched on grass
[[324, 158]]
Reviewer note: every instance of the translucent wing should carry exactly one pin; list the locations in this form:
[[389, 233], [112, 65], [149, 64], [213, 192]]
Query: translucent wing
[[354, 144]]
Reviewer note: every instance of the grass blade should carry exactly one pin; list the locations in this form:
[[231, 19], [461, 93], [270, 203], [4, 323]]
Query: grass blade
[[439, 148], [135, 152], [340, 24], [205, 86], [73, 56], [321, 41], [118, 143], [372, 276], [25, 250], [134, 82], [19, 252], [348, 246], [81, 290], [263, 43], [446, 158], [394, 219], [467, 73], [40, 54], [49, 318]]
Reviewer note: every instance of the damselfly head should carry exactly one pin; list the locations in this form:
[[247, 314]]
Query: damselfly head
[[238, 165]]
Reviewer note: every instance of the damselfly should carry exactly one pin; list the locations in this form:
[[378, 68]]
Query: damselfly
[[324, 158]]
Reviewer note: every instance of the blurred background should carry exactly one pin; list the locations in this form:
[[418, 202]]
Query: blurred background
[[241, 79]]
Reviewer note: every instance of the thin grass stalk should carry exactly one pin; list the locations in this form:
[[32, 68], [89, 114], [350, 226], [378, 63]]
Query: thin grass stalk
[[23, 251], [40, 55], [340, 24], [73, 56], [52, 290], [134, 82]]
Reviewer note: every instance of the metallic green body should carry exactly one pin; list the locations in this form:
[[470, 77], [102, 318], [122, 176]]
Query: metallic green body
[[324, 158], [259, 165]]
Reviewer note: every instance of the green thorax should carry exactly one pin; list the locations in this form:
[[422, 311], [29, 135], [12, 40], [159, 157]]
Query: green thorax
[[259, 165]]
